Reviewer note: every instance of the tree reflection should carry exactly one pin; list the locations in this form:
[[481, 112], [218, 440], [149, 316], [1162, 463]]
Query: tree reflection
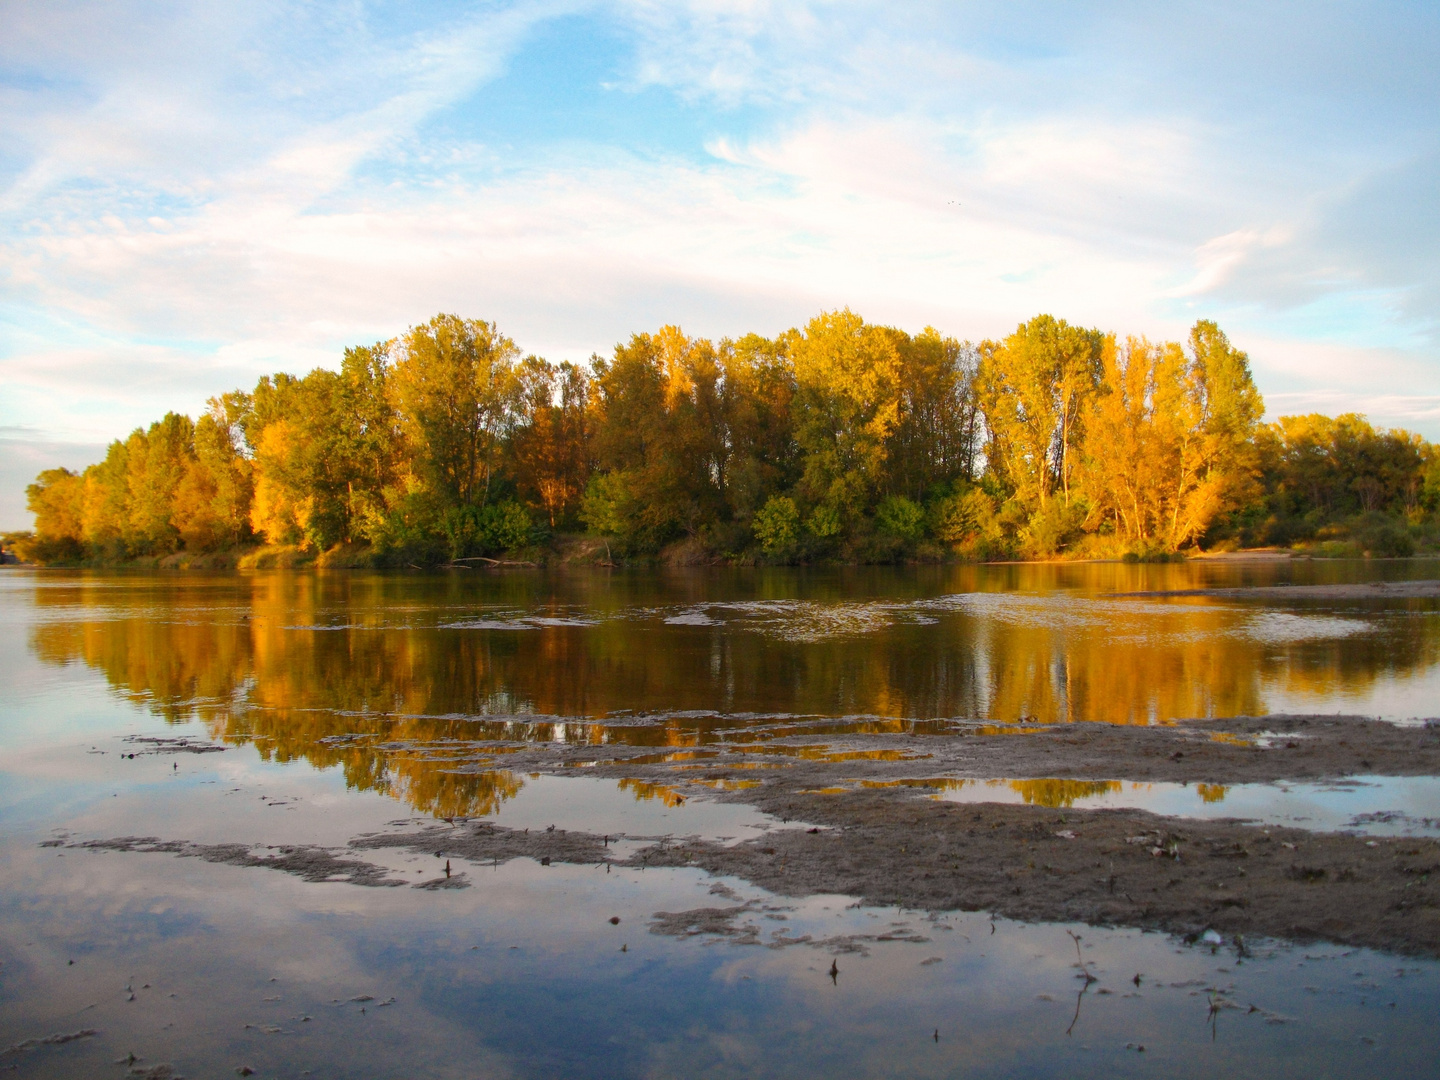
[[367, 673]]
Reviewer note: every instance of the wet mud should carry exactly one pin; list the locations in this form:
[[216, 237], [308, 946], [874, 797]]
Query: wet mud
[[1106, 867], [1370, 590], [481, 842], [1229, 751], [856, 820], [304, 861]]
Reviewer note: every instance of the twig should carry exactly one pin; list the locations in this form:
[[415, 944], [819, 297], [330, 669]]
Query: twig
[[1080, 960]]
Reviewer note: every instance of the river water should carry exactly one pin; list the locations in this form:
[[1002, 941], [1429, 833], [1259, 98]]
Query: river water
[[343, 701]]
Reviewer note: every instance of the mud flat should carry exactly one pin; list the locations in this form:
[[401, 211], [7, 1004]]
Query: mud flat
[[856, 820], [1229, 751], [1371, 590]]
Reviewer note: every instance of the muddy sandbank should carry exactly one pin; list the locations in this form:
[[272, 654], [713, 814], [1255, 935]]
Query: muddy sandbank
[[1104, 867], [892, 845], [1370, 590], [1229, 751]]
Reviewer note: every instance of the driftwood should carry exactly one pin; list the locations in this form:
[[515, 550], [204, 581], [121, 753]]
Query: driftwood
[[485, 559]]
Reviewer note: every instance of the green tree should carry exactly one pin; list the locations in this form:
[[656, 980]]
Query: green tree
[[762, 457], [936, 439], [56, 498], [156, 463], [658, 426], [847, 402], [549, 448], [454, 388], [901, 518]]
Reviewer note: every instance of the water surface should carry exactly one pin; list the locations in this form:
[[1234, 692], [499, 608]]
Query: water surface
[[346, 702]]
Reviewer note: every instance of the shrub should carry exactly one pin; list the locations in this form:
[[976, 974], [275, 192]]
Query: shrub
[[897, 516], [1054, 527], [486, 530], [777, 525], [825, 522], [964, 519], [1387, 541]]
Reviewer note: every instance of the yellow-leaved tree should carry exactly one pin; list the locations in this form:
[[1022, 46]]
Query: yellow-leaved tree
[[847, 402], [1170, 438]]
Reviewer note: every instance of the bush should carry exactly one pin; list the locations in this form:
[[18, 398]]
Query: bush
[[487, 530], [1054, 527], [964, 519], [825, 522], [1387, 541], [48, 550], [777, 525], [603, 509], [897, 516]]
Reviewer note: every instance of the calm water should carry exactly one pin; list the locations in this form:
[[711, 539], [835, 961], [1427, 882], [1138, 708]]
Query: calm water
[[344, 697]]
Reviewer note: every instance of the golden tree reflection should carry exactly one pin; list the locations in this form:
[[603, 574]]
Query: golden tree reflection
[[389, 679]]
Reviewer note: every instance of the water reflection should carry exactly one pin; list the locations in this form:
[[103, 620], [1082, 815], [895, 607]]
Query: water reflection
[[398, 679], [1048, 792], [1372, 805]]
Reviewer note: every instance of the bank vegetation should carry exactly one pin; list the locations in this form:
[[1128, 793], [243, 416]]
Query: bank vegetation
[[841, 441]]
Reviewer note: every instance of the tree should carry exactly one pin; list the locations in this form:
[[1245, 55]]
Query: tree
[[847, 402], [1170, 438], [212, 501], [550, 445], [777, 525], [936, 439], [659, 438], [106, 503], [56, 498], [1219, 412], [761, 455], [454, 389], [1034, 389], [156, 463], [372, 442]]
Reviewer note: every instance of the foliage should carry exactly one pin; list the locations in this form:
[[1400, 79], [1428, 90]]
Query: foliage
[[475, 530], [1034, 389], [901, 518], [965, 518], [824, 523], [838, 439], [847, 401], [777, 525], [1169, 445]]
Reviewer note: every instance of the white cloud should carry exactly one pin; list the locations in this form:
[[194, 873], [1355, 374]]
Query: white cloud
[[192, 195]]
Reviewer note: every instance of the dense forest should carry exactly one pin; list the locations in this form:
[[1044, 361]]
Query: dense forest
[[840, 441]]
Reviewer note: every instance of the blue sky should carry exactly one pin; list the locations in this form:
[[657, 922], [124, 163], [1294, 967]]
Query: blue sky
[[195, 194]]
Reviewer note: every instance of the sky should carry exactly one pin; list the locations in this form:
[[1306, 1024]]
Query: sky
[[195, 194]]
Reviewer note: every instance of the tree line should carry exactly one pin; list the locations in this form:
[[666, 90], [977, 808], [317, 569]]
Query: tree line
[[839, 440]]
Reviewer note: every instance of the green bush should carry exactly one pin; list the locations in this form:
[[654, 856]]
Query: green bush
[[825, 523], [777, 525], [487, 530], [1387, 541], [897, 516], [965, 518]]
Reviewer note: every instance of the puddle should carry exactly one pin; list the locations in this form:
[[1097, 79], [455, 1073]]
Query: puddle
[[1374, 806], [629, 807]]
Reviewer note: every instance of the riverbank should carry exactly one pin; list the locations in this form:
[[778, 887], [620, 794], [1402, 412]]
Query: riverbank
[[577, 551]]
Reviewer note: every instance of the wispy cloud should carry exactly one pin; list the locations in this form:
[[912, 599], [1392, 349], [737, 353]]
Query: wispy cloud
[[191, 195]]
